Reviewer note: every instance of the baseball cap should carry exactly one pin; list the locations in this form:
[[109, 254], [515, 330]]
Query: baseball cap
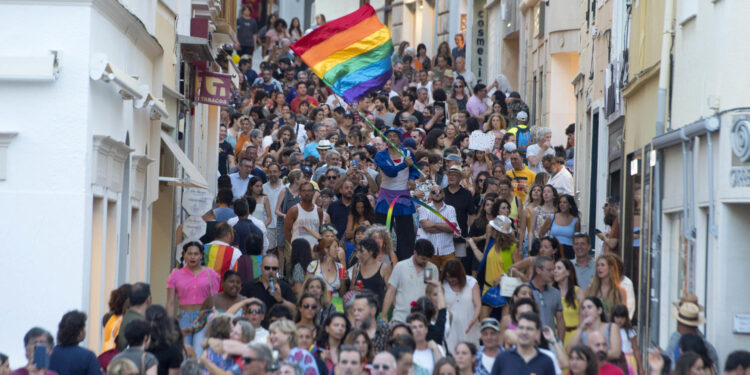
[[409, 143], [411, 118], [397, 130], [306, 169], [453, 157], [490, 323], [522, 116], [510, 146]]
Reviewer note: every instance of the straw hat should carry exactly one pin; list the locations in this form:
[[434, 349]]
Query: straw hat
[[689, 314], [690, 297], [502, 224]]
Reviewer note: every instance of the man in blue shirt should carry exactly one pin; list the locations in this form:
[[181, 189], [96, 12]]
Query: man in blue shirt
[[525, 359]]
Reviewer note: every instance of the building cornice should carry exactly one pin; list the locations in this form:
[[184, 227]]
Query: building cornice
[[640, 79], [118, 14]]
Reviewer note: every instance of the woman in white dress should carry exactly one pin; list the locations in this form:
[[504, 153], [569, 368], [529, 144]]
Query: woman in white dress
[[463, 302]]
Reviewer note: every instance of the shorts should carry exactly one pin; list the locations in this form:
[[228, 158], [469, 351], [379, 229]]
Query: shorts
[[271, 234]]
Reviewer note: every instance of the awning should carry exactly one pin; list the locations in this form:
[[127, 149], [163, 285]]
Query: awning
[[193, 177], [194, 48]]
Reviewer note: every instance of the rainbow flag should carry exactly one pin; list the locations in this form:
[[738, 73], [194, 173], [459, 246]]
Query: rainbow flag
[[220, 257], [351, 54]]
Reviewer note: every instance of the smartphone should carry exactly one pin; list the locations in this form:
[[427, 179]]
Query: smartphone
[[597, 231], [355, 162], [427, 274], [41, 356]]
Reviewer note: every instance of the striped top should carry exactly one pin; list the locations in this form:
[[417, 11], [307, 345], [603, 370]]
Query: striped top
[[351, 54], [221, 257]]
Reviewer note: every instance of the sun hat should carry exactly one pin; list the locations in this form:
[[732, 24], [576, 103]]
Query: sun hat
[[324, 144], [689, 314], [502, 224]]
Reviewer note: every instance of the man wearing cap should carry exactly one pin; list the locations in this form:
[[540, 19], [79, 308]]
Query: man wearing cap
[[408, 123], [487, 353], [461, 200], [397, 179], [688, 316], [316, 135], [475, 105], [437, 231], [521, 131]]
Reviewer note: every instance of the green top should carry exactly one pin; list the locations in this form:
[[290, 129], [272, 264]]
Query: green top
[[128, 317]]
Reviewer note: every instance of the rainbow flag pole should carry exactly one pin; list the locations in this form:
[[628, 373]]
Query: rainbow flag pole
[[352, 56], [425, 205]]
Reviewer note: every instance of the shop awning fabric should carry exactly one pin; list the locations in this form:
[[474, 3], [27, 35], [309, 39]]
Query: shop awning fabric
[[193, 177]]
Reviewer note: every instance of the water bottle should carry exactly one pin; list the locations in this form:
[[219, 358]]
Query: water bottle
[[271, 286]]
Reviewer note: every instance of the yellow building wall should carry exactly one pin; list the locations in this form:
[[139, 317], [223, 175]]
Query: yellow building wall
[[166, 34], [645, 36]]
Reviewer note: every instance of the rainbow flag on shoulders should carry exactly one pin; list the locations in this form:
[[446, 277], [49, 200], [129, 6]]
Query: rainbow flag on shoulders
[[351, 54]]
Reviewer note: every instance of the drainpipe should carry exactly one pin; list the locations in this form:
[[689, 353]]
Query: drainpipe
[[712, 124], [435, 24]]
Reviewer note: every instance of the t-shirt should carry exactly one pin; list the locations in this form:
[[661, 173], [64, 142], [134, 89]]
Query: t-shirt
[[224, 213], [534, 150], [511, 362], [169, 358], [549, 303], [409, 286], [242, 231], [387, 118], [225, 149], [246, 29], [135, 355], [256, 289], [425, 359], [524, 176], [295, 103], [461, 200], [584, 274], [339, 213], [476, 106], [273, 198], [74, 360], [609, 369], [128, 317]]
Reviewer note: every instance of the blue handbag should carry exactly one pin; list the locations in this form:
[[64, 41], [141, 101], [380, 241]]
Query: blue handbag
[[492, 296]]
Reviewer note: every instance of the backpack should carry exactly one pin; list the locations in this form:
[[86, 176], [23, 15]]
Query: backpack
[[523, 138]]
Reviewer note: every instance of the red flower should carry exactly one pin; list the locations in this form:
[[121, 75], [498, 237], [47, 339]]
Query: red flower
[[413, 303]]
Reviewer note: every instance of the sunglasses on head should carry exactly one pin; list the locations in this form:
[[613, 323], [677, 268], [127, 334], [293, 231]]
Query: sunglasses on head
[[269, 268]]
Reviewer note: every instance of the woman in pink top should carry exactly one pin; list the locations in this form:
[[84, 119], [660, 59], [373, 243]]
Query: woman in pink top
[[275, 35], [191, 284]]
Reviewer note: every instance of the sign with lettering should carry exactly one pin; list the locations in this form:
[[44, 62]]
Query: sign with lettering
[[479, 41], [194, 227], [214, 88]]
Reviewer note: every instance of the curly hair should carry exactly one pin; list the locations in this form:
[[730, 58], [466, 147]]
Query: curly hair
[[70, 327], [118, 299]]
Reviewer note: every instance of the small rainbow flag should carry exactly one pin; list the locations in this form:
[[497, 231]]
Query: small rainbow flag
[[351, 54]]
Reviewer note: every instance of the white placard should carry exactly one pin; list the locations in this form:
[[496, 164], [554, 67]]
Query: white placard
[[197, 201], [508, 285], [741, 323], [481, 141], [194, 227]]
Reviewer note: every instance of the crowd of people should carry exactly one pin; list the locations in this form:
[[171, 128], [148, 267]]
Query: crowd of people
[[373, 237]]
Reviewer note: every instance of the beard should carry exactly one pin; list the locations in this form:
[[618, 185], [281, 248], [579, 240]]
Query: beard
[[366, 324], [602, 356], [609, 218]]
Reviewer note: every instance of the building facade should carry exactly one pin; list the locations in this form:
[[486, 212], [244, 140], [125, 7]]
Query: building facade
[[98, 139]]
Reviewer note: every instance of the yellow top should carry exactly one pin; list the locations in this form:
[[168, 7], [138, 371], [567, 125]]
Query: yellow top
[[111, 329], [494, 267], [570, 314], [524, 176]]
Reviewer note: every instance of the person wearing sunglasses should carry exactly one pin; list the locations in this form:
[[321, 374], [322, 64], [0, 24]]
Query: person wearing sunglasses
[[254, 310], [268, 287]]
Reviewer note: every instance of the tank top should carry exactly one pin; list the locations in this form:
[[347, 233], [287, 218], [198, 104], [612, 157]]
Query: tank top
[[309, 219], [563, 233], [260, 211], [374, 283]]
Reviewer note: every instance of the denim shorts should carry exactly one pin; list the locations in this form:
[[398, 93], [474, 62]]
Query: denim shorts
[[186, 320]]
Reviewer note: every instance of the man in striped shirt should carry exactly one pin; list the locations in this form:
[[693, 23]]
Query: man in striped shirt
[[437, 231]]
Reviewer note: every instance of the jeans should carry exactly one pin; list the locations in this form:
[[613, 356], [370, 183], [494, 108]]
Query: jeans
[[186, 320]]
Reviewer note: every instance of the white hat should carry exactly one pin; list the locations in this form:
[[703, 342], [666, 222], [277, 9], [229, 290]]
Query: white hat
[[522, 116], [324, 145], [502, 224], [510, 146]]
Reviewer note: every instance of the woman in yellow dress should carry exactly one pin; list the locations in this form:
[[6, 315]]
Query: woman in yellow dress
[[118, 304], [496, 260], [570, 294]]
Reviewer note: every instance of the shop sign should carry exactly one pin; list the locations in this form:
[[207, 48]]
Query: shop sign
[[479, 39], [214, 88]]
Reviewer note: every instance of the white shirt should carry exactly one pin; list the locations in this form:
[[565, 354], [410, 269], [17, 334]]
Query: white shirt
[[534, 150], [428, 86], [239, 186], [562, 181], [627, 284], [426, 358], [551, 355], [261, 336], [469, 77], [273, 198], [443, 242], [258, 224]]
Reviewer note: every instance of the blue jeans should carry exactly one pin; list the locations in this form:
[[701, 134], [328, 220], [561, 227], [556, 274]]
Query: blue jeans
[[186, 320]]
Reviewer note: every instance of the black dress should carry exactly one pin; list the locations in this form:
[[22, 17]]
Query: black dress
[[376, 283]]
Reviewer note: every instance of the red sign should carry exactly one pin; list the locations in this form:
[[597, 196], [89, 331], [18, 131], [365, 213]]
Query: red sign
[[214, 88]]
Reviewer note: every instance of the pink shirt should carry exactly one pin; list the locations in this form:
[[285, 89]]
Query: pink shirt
[[192, 289]]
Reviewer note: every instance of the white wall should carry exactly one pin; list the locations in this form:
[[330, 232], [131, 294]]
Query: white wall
[[559, 94], [288, 9], [44, 196]]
